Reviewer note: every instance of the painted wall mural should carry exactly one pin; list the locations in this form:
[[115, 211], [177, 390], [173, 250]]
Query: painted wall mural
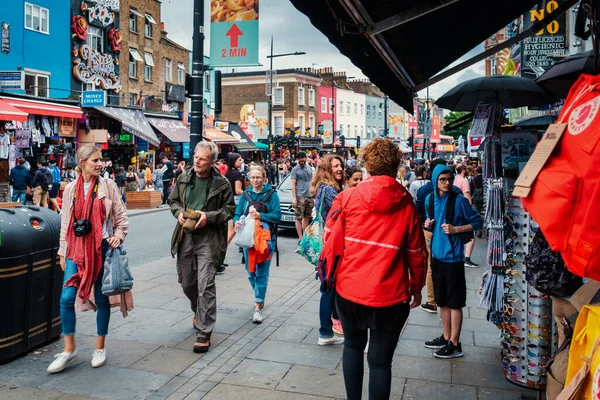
[[79, 27], [101, 10], [96, 68], [115, 38]]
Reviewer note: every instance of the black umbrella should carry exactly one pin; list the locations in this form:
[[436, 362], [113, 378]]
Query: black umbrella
[[537, 120], [559, 78], [510, 91]]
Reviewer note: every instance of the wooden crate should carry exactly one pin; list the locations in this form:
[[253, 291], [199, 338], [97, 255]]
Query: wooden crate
[[10, 204], [143, 200]]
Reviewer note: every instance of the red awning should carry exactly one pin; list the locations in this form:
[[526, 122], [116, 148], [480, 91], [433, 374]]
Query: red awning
[[10, 113], [39, 107]]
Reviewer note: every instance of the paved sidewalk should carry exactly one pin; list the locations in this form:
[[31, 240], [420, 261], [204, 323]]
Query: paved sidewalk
[[150, 352]]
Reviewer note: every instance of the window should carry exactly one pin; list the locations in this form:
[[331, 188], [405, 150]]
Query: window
[[362, 109], [168, 70], [348, 131], [311, 97], [355, 109], [380, 109], [207, 82], [323, 104], [133, 99], [133, 14], [361, 131], [348, 107], [311, 124], [278, 124], [148, 26], [330, 105], [355, 131], [37, 84], [341, 129], [132, 66], [278, 97], [95, 39], [341, 108], [368, 111], [37, 18], [148, 66], [180, 73], [300, 96]]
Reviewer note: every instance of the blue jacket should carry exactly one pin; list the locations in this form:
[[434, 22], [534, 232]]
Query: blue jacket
[[273, 216], [422, 192], [55, 173], [449, 248], [19, 178]]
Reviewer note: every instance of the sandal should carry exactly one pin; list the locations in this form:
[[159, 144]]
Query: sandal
[[201, 345]]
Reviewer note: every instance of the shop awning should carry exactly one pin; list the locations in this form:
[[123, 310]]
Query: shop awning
[[261, 146], [10, 113], [245, 143], [400, 45], [149, 60], [174, 129], [134, 12], [215, 135], [133, 121], [134, 53], [47, 108]]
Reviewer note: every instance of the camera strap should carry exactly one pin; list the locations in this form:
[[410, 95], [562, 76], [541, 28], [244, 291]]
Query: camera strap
[[94, 194]]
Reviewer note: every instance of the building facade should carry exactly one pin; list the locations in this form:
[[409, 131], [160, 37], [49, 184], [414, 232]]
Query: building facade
[[154, 67], [350, 113], [374, 118], [35, 40], [295, 93], [95, 46]]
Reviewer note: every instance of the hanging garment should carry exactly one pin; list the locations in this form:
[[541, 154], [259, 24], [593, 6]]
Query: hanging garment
[[4, 143], [565, 198]]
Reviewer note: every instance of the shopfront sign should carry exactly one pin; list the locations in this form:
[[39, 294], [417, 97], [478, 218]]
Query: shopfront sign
[[260, 123], [234, 33], [5, 37], [96, 68], [125, 137], [186, 150], [11, 80], [396, 126], [93, 98], [538, 52], [327, 132]]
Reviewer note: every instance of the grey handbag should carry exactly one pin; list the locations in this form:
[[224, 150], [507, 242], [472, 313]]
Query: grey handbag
[[117, 278]]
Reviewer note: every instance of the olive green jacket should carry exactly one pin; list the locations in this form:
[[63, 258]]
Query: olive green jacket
[[219, 209]]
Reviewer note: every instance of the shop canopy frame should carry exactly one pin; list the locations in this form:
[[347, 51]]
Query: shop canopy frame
[[219, 137], [10, 113], [36, 106], [133, 121], [398, 45], [246, 144], [171, 127]]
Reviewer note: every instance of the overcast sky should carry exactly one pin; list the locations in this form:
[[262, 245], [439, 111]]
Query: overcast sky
[[292, 33]]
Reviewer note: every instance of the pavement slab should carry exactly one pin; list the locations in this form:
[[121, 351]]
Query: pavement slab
[[257, 373], [434, 370], [488, 376], [301, 354], [418, 389], [291, 333], [166, 360], [108, 382], [11, 392], [232, 392]]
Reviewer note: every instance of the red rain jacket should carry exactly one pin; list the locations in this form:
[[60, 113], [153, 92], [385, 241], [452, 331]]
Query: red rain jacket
[[384, 260]]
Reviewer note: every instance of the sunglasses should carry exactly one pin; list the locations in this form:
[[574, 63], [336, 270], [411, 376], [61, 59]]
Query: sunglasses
[[539, 315], [446, 180], [538, 296], [512, 348], [538, 335], [535, 326], [534, 355], [541, 346], [512, 368]]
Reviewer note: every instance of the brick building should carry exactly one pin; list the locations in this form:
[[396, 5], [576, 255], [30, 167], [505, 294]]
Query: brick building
[[153, 67], [294, 99]]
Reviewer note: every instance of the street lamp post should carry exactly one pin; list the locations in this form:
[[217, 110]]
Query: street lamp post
[[271, 57], [385, 117]]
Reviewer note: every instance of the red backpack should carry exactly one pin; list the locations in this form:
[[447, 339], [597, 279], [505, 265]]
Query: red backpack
[[565, 198]]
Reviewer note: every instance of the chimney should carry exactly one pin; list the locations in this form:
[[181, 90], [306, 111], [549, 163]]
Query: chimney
[[162, 26]]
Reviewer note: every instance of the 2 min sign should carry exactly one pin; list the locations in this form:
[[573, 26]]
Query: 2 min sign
[[234, 33]]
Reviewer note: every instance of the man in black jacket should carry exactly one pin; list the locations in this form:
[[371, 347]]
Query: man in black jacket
[[20, 179], [167, 178], [41, 184]]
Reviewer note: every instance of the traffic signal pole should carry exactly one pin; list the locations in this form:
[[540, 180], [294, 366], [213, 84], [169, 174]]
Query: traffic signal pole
[[197, 79]]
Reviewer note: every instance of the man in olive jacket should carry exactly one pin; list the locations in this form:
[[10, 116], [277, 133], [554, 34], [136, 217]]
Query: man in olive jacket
[[206, 199]]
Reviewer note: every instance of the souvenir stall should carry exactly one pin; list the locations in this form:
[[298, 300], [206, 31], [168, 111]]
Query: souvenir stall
[[522, 314]]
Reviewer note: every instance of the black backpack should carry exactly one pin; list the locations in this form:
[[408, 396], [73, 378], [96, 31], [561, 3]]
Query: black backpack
[[259, 205], [546, 270], [465, 237], [47, 180]]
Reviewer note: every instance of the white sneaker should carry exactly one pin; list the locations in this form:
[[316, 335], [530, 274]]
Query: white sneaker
[[98, 358], [330, 341], [257, 318], [61, 360]]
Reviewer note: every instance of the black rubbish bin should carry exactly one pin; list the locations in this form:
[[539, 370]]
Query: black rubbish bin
[[30, 280]]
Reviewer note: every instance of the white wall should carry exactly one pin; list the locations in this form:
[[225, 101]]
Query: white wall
[[354, 119]]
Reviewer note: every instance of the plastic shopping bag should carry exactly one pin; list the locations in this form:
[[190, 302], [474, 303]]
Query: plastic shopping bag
[[311, 244], [245, 233]]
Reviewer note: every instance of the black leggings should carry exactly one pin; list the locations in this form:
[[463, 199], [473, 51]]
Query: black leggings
[[381, 351]]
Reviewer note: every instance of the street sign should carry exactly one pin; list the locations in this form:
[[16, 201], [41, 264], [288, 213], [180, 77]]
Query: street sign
[[12, 80], [93, 98], [234, 33]]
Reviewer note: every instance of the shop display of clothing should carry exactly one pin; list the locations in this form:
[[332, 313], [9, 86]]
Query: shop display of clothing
[[4, 143]]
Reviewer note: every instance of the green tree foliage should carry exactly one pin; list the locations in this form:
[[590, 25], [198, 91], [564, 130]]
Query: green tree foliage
[[456, 133]]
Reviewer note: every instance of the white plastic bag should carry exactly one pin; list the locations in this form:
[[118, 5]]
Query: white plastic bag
[[245, 233]]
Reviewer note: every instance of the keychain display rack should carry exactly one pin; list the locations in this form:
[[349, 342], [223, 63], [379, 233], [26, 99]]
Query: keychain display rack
[[525, 316]]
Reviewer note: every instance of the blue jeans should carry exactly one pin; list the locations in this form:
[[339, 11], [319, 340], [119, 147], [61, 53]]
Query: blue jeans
[[259, 279], [326, 311], [68, 297], [19, 195]]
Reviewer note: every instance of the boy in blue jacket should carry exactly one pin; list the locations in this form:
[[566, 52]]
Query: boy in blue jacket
[[447, 263]]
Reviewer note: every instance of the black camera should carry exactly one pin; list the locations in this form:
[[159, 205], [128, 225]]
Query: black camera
[[82, 227]]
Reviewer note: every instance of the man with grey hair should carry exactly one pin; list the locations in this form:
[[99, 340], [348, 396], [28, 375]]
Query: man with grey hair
[[202, 202]]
